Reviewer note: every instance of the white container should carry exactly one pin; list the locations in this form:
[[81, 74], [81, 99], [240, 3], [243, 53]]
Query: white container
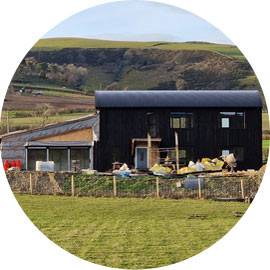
[[45, 166]]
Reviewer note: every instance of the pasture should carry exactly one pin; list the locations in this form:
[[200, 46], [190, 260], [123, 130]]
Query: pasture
[[60, 43], [129, 232]]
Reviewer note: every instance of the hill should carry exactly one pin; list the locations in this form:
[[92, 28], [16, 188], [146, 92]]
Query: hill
[[63, 72], [86, 65]]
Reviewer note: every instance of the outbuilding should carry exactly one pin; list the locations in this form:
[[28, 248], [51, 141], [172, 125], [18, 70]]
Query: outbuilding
[[140, 127], [61, 143]]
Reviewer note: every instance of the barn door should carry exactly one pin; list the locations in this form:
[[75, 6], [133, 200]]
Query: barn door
[[141, 158]]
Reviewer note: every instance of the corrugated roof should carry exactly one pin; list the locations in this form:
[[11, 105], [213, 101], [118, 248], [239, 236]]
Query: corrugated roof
[[177, 98], [58, 143]]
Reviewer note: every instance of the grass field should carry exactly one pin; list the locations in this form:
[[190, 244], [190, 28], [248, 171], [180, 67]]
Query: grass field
[[48, 88], [266, 144], [60, 43], [131, 233]]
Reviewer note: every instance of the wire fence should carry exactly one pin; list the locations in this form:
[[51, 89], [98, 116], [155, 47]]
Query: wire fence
[[201, 187]]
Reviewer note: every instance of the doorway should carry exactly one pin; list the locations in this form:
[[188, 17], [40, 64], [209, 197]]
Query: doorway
[[141, 158]]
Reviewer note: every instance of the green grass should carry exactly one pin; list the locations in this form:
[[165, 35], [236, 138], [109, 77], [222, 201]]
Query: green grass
[[249, 82], [265, 121], [53, 119], [131, 233], [18, 123], [266, 144], [49, 88], [60, 43]]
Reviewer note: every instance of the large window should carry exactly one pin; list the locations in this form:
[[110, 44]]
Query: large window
[[181, 120], [152, 124], [81, 155], [234, 120], [60, 158], [36, 155]]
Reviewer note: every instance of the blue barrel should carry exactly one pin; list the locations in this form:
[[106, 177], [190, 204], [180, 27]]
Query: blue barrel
[[192, 182]]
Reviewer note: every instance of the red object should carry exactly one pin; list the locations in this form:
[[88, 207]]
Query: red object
[[6, 165], [13, 163], [18, 164]]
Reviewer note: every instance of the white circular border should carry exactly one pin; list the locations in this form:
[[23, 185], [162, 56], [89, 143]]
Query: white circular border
[[22, 245]]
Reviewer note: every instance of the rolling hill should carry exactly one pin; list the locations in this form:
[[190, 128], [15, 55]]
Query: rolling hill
[[87, 65]]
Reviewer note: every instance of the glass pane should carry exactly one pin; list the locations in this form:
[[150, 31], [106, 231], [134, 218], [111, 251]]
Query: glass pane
[[225, 152], [81, 155], [35, 155], [225, 122], [60, 158], [176, 123]]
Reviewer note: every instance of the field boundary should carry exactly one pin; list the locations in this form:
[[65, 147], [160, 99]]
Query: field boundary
[[236, 188]]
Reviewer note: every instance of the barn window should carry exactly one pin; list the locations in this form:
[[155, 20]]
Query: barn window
[[181, 120], [234, 120], [225, 152], [152, 124]]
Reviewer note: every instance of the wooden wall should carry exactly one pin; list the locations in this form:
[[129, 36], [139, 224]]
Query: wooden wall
[[75, 136], [205, 139]]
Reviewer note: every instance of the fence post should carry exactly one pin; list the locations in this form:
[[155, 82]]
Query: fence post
[[199, 188], [242, 189], [30, 184], [157, 187], [72, 186], [114, 186]]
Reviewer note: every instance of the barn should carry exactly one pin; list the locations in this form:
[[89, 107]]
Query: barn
[[62, 143], [206, 123]]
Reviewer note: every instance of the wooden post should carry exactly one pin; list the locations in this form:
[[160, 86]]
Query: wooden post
[[199, 188], [242, 189], [149, 150], [72, 186], [157, 187], [114, 186], [7, 122], [176, 150], [30, 184]]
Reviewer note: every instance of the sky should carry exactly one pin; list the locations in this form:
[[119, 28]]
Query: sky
[[136, 20]]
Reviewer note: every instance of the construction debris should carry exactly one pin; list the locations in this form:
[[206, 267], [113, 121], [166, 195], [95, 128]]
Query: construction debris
[[124, 171], [158, 169], [206, 164]]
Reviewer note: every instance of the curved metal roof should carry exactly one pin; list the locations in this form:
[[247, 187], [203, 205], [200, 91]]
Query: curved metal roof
[[178, 98]]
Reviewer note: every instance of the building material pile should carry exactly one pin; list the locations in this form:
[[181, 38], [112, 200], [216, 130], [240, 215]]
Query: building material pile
[[124, 171], [206, 164]]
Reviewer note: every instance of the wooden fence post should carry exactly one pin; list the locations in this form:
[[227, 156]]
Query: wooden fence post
[[157, 187], [242, 189], [114, 186], [72, 186], [30, 184], [199, 188]]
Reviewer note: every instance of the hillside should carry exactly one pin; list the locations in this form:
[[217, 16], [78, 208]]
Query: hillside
[[50, 44], [87, 65], [61, 73]]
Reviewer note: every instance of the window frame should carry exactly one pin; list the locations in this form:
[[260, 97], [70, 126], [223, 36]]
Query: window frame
[[179, 116], [230, 114]]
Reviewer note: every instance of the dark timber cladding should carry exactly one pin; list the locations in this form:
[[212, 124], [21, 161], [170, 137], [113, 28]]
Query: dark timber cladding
[[208, 123]]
